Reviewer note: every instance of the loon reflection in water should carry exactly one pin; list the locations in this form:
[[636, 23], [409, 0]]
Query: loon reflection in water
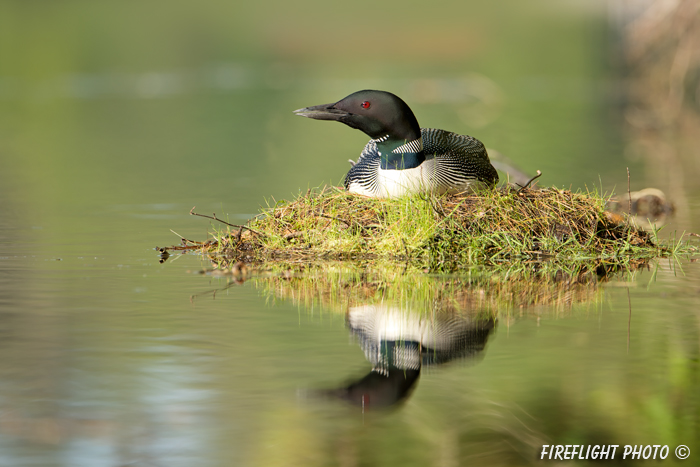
[[398, 343]]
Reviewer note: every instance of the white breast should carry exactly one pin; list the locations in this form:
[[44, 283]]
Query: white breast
[[396, 183]]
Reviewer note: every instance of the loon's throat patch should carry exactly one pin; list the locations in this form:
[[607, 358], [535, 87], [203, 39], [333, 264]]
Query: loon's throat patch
[[400, 155]]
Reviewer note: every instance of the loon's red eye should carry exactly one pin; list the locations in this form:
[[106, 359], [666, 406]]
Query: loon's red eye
[[365, 105]]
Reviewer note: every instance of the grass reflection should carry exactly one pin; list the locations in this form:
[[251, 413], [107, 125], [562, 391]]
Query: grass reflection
[[549, 375]]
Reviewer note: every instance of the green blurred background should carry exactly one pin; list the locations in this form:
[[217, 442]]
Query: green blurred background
[[176, 102]]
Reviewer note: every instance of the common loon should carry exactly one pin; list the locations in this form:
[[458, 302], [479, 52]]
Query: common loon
[[402, 157]]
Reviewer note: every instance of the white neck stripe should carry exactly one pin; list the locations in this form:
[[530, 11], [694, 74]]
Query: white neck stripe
[[415, 146]]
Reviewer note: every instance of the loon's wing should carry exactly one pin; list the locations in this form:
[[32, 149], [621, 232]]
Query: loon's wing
[[459, 157]]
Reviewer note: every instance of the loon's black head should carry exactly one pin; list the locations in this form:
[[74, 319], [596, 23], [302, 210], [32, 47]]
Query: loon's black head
[[377, 113]]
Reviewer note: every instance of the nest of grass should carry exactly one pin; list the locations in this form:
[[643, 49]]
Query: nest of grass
[[491, 226]]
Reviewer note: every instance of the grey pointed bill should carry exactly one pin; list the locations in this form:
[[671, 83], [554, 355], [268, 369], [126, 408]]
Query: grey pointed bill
[[321, 112]]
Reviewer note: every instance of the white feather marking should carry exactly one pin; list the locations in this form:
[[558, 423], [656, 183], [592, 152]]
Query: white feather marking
[[412, 146]]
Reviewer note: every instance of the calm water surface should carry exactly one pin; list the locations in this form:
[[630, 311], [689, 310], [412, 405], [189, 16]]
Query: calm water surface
[[109, 358]]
